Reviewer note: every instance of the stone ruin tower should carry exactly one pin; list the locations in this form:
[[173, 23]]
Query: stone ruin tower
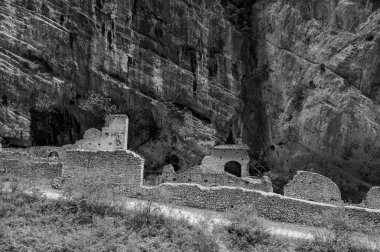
[[114, 135]]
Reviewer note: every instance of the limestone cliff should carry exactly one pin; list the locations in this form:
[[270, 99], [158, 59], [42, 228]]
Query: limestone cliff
[[298, 81], [322, 94]]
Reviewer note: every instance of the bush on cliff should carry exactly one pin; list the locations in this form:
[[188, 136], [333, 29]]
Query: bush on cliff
[[98, 103]]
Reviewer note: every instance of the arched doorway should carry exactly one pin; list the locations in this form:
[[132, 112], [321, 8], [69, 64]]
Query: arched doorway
[[233, 168]]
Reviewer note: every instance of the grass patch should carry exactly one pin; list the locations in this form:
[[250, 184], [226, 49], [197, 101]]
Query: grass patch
[[34, 223], [247, 233], [341, 233]]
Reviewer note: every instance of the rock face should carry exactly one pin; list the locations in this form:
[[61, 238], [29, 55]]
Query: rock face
[[175, 67], [322, 93], [373, 197], [314, 187], [298, 81]]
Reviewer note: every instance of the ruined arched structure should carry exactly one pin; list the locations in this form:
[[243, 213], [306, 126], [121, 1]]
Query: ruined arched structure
[[223, 154], [314, 187], [114, 136], [233, 167]]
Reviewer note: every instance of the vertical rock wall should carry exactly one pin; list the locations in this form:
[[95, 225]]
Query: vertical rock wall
[[321, 95], [175, 67]]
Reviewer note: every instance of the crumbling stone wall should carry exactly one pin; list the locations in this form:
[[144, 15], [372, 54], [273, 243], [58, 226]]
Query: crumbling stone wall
[[122, 168], [269, 205], [47, 151], [30, 169], [22, 164], [196, 175], [223, 154], [373, 197], [114, 136], [313, 187]]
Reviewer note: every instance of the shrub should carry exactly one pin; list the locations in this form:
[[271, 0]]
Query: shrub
[[98, 103], [246, 233], [341, 228]]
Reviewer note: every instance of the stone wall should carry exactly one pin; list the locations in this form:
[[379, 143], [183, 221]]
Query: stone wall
[[373, 197], [29, 164], [47, 151], [30, 169], [313, 187], [220, 157], [269, 205], [196, 175], [123, 168], [114, 136]]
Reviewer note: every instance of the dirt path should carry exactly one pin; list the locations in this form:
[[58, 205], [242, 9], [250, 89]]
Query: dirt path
[[212, 219]]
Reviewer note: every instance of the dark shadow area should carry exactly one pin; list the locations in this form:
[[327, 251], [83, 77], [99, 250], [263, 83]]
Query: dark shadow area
[[173, 160], [53, 127], [233, 168]]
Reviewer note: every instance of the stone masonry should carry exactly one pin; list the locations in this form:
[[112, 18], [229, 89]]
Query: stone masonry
[[114, 136], [26, 165], [269, 205], [198, 176], [122, 168], [223, 154], [373, 197], [313, 187]]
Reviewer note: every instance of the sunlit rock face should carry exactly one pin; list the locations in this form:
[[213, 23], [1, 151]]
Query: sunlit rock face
[[322, 93], [295, 80]]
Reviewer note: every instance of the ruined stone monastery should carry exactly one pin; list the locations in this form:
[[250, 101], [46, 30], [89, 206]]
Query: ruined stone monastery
[[220, 182]]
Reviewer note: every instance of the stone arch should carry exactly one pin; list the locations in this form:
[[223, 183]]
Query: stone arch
[[53, 154], [233, 167]]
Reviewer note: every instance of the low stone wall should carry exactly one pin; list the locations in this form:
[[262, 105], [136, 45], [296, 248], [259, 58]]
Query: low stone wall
[[47, 151], [197, 176], [19, 155], [122, 168], [269, 205], [30, 169], [22, 163]]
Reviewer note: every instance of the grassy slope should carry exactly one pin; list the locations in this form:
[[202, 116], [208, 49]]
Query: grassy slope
[[31, 224]]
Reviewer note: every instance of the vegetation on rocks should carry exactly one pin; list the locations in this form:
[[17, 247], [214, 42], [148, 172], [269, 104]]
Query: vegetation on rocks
[[98, 103]]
